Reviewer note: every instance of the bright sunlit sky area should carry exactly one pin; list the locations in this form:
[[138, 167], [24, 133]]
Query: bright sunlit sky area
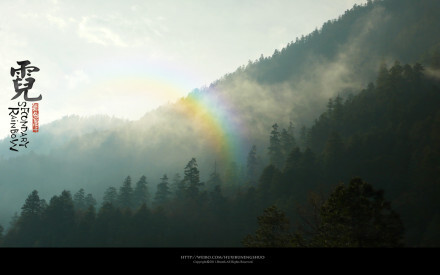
[[124, 58]]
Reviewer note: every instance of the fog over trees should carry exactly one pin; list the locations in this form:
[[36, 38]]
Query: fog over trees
[[333, 141]]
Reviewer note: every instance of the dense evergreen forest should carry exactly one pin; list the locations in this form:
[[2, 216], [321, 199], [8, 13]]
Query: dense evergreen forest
[[366, 173], [339, 146], [292, 85]]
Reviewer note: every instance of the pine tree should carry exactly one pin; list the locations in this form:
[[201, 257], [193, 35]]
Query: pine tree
[[338, 108], [177, 187], [141, 194], [275, 152], [110, 196], [252, 164], [288, 142], [304, 137], [59, 221], [293, 161], [216, 198], [214, 178], [273, 230], [356, 215], [163, 191], [125, 198], [192, 178], [396, 72], [84, 230], [29, 225], [330, 107], [89, 201], [33, 205], [382, 80], [79, 200], [106, 227]]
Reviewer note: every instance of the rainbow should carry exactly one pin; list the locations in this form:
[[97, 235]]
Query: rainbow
[[215, 116], [219, 123]]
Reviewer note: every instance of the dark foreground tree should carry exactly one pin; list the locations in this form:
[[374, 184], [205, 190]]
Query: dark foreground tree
[[356, 215], [273, 231]]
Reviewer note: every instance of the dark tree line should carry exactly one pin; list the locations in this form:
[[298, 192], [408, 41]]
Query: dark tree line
[[387, 134], [355, 215]]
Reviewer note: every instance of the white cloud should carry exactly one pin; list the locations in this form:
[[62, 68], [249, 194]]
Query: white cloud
[[99, 34], [58, 21], [76, 78], [204, 39]]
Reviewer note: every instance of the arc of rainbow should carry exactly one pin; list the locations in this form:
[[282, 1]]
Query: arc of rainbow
[[219, 122], [213, 112]]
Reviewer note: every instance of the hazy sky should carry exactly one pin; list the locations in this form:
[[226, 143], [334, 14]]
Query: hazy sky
[[124, 58]]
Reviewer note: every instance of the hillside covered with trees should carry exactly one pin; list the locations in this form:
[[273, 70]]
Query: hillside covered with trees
[[333, 140], [382, 142]]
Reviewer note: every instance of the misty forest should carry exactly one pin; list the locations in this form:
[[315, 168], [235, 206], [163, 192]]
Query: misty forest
[[334, 142]]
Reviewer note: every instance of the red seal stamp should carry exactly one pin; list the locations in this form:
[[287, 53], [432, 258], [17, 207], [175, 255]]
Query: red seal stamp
[[35, 118]]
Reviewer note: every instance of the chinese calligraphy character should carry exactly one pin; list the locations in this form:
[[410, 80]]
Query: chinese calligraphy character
[[28, 82]]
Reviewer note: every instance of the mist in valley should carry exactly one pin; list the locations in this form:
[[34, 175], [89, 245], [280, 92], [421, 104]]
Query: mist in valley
[[218, 124]]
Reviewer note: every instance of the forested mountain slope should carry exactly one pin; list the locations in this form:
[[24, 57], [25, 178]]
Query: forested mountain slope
[[387, 134], [219, 124]]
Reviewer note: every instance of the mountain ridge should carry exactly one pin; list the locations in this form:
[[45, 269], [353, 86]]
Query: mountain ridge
[[294, 85]]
